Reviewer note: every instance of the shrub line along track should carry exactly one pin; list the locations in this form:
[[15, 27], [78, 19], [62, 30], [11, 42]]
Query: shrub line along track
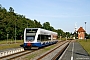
[[20, 54], [57, 54]]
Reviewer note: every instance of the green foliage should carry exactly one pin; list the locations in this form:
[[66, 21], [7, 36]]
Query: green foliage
[[37, 24], [87, 36], [46, 25], [11, 9], [60, 33], [9, 20], [68, 34]]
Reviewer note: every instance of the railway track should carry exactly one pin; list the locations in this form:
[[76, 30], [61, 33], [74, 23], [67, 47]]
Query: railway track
[[59, 53], [55, 53], [23, 53]]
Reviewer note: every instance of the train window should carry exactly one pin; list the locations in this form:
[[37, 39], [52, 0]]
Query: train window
[[44, 37], [30, 38]]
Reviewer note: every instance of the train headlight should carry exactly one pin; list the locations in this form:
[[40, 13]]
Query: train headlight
[[28, 44]]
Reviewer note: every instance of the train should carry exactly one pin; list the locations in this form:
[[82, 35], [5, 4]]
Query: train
[[38, 37]]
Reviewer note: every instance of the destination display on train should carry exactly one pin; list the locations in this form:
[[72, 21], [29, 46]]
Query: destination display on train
[[31, 30]]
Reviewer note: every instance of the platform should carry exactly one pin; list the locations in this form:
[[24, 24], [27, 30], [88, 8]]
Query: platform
[[10, 51], [75, 52]]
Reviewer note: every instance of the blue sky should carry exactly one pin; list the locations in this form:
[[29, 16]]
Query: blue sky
[[62, 14]]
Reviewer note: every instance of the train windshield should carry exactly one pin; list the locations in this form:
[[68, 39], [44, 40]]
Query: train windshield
[[30, 34], [30, 38]]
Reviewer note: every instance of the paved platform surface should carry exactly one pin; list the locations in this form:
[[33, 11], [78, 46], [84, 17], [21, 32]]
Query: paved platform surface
[[75, 52]]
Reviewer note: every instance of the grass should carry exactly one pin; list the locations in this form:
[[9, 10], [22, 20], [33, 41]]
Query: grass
[[10, 41], [10, 44], [65, 39], [85, 45], [62, 39]]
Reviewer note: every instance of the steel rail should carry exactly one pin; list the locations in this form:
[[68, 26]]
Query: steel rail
[[59, 53], [51, 51]]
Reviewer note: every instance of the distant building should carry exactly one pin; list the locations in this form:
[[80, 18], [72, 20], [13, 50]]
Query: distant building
[[81, 33]]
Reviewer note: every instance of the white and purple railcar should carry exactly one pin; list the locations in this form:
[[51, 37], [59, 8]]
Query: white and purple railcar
[[37, 37]]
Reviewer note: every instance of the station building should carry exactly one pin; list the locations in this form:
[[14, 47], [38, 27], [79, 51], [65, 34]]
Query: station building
[[81, 33]]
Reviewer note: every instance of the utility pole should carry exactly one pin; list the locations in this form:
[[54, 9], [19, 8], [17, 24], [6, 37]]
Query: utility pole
[[7, 38], [15, 31], [85, 26]]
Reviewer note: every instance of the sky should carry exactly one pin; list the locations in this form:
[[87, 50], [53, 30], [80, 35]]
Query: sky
[[61, 14]]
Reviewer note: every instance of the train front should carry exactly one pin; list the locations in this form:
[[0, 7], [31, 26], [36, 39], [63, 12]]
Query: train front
[[29, 37]]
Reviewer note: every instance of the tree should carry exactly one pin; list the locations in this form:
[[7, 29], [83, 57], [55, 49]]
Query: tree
[[46, 25], [52, 28], [0, 6], [11, 9], [37, 24], [60, 32], [88, 36], [68, 34]]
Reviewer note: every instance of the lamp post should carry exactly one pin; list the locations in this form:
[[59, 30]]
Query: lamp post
[[85, 26], [85, 30]]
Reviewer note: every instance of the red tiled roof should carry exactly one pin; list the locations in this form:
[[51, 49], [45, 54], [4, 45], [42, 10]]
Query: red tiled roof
[[81, 29]]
